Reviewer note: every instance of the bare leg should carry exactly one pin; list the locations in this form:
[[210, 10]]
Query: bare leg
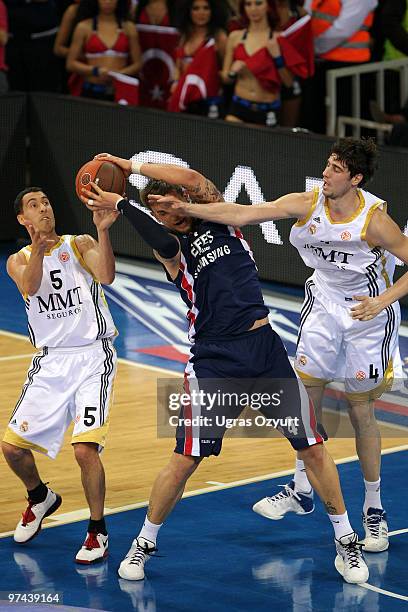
[[92, 476], [324, 478], [169, 486], [368, 438], [21, 461]]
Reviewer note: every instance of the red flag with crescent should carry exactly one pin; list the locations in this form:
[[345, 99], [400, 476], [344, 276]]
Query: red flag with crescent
[[158, 45]]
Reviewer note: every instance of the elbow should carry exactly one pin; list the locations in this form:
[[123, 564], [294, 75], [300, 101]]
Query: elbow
[[108, 278]]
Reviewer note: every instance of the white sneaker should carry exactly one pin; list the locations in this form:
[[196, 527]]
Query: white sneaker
[[376, 530], [288, 500], [94, 549], [132, 566], [30, 524], [349, 561]]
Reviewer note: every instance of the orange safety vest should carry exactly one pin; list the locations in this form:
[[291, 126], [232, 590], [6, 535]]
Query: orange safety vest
[[356, 48]]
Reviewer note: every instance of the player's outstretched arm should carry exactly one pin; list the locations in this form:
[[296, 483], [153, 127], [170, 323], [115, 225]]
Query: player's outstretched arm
[[98, 255], [382, 231], [166, 247], [293, 205], [199, 188]]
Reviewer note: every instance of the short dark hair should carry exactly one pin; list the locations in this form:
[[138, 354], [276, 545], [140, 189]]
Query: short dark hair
[[360, 155], [18, 202], [162, 188]]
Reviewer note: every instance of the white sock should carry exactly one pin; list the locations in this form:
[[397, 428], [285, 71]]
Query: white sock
[[302, 484], [341, 525], [149, 531], [372, 495]]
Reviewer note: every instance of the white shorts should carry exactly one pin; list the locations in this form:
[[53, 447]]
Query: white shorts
[[65, 385], [333, 346]]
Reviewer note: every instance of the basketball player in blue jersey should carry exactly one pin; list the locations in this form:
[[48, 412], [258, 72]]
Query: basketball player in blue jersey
[[350, 317], [232, 341], [71, 377]]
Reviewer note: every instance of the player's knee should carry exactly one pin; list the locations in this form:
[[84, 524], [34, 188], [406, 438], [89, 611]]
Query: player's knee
[[85, 452], [12, 453], [312, 455], [183, 466], [362, 417]]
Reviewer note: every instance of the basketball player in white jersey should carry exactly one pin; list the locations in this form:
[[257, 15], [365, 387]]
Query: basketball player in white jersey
[[71, 376], [350, 317]]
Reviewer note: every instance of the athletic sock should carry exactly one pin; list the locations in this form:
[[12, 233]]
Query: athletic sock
[[149, 531], [372, 495], [97, 526], [38, 494], [341, 525], [302, 484]]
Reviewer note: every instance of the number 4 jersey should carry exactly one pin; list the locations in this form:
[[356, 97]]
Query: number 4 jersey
[[70, 308]]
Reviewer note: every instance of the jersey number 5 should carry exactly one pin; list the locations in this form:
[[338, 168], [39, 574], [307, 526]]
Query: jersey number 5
[[89, 419], [55, 281]]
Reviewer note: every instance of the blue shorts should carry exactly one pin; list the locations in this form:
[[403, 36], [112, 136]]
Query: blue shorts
[[223, 373]]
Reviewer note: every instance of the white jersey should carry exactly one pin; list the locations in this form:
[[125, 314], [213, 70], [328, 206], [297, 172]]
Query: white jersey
[[345, 264], [70, 308]]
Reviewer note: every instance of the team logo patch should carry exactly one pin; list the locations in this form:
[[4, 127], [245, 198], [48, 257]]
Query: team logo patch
[[317, 219], [302, 360], [312, 229], [24, 426], [360, 375], [64, 256], [85, 178], [345, 235]]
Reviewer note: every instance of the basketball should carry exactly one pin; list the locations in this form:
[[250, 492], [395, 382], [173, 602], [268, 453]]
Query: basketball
[[111, 177]]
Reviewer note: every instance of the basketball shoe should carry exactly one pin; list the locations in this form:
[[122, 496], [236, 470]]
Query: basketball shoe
[[94, 549], [349, 561], [132, 566], [30, 524], [376, 530], [288, 500]]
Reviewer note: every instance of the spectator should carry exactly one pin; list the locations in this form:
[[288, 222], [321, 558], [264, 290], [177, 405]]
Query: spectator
[[288, 12], [3, 41], [65, 30], [103, 41], [341, 30], [200, 21], [29, 52], [254, 62], [158, 42]]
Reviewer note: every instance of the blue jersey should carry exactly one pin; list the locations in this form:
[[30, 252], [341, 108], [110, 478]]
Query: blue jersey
[[218, 281]]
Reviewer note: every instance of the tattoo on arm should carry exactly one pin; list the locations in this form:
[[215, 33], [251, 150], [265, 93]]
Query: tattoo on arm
[[330, 509], [205, 191]]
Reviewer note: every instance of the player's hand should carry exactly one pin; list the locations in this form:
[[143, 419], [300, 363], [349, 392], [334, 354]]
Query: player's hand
[[103, 219], [39, 242], [368, 308], [125, 164], [173, 203], [99, 199]]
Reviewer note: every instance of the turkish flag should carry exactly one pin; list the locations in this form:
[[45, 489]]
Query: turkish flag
[[201, 79], [126, 89], [158, 45], [296, 43]]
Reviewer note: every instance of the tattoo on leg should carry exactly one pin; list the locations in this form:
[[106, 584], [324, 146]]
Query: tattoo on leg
[[330, 509]]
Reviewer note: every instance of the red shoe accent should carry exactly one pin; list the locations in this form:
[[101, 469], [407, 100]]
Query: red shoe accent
[[28, 515], [91, 541]]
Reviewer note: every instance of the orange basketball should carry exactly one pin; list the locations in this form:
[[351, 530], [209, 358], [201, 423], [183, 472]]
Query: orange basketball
[[111, 177]]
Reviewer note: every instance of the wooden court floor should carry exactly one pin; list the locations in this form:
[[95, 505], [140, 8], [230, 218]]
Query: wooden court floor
[[134, 454]]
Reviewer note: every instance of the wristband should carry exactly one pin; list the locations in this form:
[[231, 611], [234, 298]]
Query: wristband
[[136, 167], [95, 71], [279, 62], [120, 204]]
